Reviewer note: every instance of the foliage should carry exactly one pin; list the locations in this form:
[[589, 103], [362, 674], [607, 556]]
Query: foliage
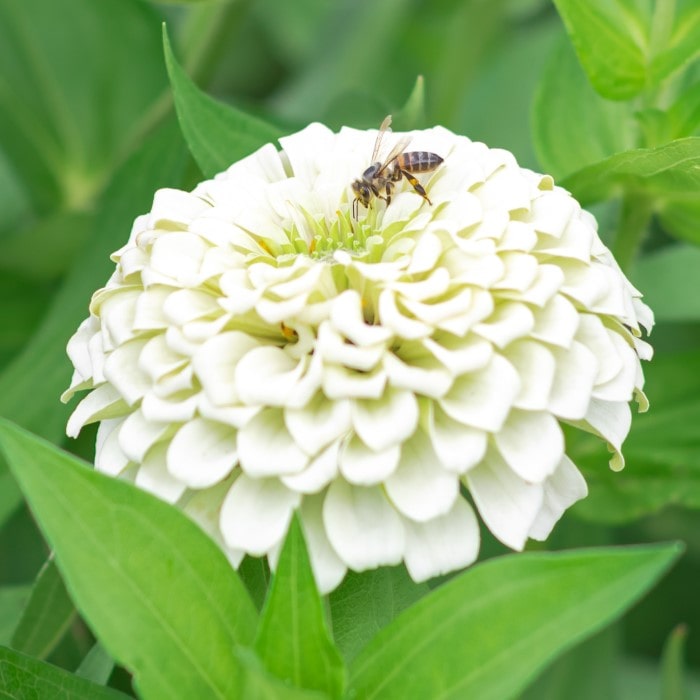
[[609, 94]]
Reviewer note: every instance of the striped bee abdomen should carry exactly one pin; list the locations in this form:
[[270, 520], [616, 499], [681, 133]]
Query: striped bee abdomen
[[418, 161]]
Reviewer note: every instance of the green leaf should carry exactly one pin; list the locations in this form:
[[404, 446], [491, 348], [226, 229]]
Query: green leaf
[[627, 46], [587, 671], [673, 684], [181, 607], [217, 134], [42, 371], [68, 99], [681, 219], [45, 250], [366, 602], [25, 678], [412, 114], [293, 639], [610, 38], [97, 666], [670, 282], [47, 615], [669, 170], [572, 125], [12, 602], [258, 684], [681, 45], [487, 632]]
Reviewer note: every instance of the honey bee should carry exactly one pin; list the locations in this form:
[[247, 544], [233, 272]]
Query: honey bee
[[382, 176]]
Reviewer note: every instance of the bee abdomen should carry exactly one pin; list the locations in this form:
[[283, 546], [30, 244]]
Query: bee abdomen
[[418, 161]]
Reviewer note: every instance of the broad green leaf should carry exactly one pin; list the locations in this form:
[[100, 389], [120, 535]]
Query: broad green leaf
[[671, 170], [47, 615], [46, 249], [217, 134], [25, 678], [611, 39], [69, 99], [42, 370], [487, 632], [412, 114], [22, 304], [12, 602], [255, 574], [673, 683], [180, 607], [629, 46], [585, 672], [681, 219], [681, 45], [572, 125], [97, 666], [258, 684], [293, 639], [670, 282], [366, 602]]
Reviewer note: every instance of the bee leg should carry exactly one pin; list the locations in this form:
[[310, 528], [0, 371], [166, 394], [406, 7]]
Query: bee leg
[[355, 210], [419, 189], [388, 193]]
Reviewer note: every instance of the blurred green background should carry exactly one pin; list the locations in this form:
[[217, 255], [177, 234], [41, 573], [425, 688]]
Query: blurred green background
[[87, 132]]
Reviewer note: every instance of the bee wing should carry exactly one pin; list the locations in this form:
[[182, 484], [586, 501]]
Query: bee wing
[[397, 150], [385, 126]]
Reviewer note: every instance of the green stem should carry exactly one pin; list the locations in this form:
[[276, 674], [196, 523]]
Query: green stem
[[635, 216]]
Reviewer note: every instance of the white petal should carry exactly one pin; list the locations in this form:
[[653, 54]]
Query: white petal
[[423, 375], [186, 305], [138, 435], [561, 490], [267, 376], [507, 504], [103, 402], [342, 383], [215, 364], [346, 317], [334, 350], [175, 410], [482, 399], [386, 421], [318, 423], [441, 545], [265, 447], [457, 446], [460, 355], [402, 325], [535, 366], [362, 527], [363, 466], [202, 453], [122, 371], [532, 443], [171, 206], [321, 470], [153, 476], [621, 386], [510, 321], [611, 420], [256, 513], [576, 370], [77, 348], [109, 457], [420, 488], [158, 359], [596, 338], [176, 257], [327, 566], [556, 322]]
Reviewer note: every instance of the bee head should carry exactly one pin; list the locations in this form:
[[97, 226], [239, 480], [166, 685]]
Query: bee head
[[362, 191]]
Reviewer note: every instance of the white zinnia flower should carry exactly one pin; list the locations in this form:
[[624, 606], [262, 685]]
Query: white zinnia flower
[[258, 351]]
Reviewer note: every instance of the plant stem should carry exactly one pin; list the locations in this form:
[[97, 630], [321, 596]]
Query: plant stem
[[634, 221]]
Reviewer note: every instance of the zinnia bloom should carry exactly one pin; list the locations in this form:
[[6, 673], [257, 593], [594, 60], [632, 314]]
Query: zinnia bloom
[[258, 350]]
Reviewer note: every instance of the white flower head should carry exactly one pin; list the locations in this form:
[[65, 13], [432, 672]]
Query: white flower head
[[259, 350]]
